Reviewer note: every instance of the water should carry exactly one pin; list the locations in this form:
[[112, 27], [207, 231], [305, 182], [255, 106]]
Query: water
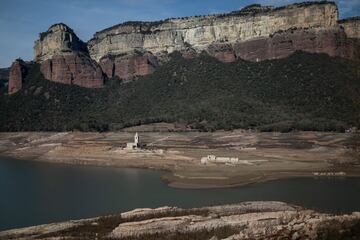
[[36, 193]]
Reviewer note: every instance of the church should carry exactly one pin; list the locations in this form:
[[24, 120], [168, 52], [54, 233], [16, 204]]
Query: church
[[135, 144]]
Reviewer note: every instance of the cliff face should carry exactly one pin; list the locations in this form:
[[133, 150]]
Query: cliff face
[[351, 27], [64, 58], [17, 75], [73, 69], [199, 32], [254, 33], [57, 40], [129, 66]]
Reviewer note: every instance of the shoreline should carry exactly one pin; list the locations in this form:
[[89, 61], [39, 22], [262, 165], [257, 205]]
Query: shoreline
[[171, 181], [263, 218], [275, 155]]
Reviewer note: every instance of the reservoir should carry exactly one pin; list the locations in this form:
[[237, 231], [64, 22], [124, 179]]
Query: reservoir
[[35, 193]]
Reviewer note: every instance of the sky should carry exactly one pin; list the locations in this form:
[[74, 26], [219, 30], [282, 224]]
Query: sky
[[22, 20]]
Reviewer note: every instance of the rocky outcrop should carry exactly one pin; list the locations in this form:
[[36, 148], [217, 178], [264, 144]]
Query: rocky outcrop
[[18, 72], [332, 41], [57, 40], [222, 52], [248, 220], [129, 66], [255, 33], [73, 69], [351, 27], [64, 58]]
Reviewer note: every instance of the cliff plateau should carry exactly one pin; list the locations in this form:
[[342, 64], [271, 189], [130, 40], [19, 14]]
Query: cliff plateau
[[133, 49], [254, 33]]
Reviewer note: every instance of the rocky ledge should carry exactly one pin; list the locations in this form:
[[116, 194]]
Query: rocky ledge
[[248, 220]]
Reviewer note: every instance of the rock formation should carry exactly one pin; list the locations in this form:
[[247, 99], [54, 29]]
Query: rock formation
[[199, 32], [17, 75], [64, 58], [255, 33], [74, 69], [129, 66], [248, 220], [57, 40], [351, 27]]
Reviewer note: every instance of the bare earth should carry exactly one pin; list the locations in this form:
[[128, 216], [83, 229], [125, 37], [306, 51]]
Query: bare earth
[[247, 220], [263, 156]]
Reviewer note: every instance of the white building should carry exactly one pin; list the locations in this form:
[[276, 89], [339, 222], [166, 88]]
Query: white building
[[214, 159], [135, 144]]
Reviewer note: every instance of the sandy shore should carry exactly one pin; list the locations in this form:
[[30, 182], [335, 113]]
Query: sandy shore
[[262, 156]]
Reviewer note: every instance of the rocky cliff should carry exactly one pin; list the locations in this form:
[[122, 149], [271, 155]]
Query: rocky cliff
[[199, 32], [64, 58], [17, 74], [255, 33], [351, 27], [58, 39]]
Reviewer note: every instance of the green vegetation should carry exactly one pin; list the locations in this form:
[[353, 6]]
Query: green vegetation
[[302, 92], [4, 77]]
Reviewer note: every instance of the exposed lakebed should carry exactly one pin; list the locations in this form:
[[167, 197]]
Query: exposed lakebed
[[33, 193]]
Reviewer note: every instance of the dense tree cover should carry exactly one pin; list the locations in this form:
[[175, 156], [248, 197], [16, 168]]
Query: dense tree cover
[[304, 91], [4, 76]]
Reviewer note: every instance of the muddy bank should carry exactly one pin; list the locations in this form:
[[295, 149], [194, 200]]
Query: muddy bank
[[262, 156]]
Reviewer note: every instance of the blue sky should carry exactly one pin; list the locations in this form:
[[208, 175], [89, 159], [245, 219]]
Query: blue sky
[[22, 20]]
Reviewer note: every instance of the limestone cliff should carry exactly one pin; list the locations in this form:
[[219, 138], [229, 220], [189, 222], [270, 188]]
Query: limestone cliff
[[351, 27], [57, 40], [64, 58], [199, 32], [255, 33]]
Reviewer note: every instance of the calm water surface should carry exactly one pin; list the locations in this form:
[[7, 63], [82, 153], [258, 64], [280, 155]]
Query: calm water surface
[[35, 193]]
